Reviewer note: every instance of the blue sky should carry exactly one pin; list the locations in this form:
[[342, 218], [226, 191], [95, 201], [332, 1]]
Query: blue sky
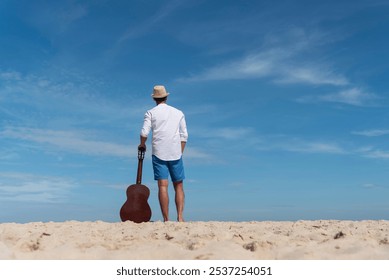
[[286, 104]]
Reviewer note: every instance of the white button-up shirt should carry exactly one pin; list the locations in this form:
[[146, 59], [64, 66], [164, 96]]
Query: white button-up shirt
[[169, 130]]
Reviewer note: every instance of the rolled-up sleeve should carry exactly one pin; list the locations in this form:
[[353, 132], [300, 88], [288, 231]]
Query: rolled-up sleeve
[[146, 125], [183, 131]]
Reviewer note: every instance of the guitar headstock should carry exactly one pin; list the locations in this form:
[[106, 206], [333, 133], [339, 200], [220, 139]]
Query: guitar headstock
[[141, 153]]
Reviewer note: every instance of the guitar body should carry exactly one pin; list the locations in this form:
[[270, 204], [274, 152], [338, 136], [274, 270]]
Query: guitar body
[[136, 207]]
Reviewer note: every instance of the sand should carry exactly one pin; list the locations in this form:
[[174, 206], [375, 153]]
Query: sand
[[300, 240]]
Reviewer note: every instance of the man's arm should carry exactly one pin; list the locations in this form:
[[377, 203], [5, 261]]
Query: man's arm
[[183, 146], [183, 133], [145, 131], [142, 144]]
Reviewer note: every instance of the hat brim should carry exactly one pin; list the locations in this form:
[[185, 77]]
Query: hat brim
[[160, 96]]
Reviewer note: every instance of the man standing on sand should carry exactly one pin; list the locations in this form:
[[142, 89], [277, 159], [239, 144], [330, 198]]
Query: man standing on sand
[[168, 127]]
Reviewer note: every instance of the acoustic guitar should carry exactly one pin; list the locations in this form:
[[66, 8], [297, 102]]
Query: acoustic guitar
[[136, 207]]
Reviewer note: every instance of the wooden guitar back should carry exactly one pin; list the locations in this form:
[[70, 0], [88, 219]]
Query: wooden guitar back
[[136, 208]]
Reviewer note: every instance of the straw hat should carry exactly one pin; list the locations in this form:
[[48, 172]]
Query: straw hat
[[159, 92]]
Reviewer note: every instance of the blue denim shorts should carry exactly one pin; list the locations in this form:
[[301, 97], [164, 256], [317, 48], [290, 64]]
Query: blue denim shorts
[[162, 169]]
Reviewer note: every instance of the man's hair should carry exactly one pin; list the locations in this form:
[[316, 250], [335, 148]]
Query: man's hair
[[160, 99]]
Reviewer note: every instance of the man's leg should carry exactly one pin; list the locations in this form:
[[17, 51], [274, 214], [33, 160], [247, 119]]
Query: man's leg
[[164, 198], [180, 200]]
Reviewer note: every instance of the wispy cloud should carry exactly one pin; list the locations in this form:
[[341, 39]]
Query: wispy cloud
[[296, 145], [72, 14], [55, 17], [23, 187], [283, 62], [304, 146], [72, 96], [372, 186], [372, 152], [10, 76], [314, 74], [81, 142], [295, 57], [315, 147], [216, 141], [352, 96], [196, 153], [372, 132], [72, 141], [248, 138], [152, 21], [323, 147], [376, 153], [232, 133], [224, 133], [252, 66], [273, 65]]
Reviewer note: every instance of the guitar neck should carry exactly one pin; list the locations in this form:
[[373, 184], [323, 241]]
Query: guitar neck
[[139, 173]]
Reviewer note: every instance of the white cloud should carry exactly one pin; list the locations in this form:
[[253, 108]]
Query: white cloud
[[224, 133], [371, 186], [72, 14], [195, 153], [72, 141], [233, 133], [253, 66], [312, 147], [379, 154], [152, 21], [314, 74], [270, 65], [372, 133], [352, 96], [55, 17], [293, 58], [82, 142], [10, 76], [71, 97], [283, 63], [25, 187], [247, 137], [297, 145], [372, 152]]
